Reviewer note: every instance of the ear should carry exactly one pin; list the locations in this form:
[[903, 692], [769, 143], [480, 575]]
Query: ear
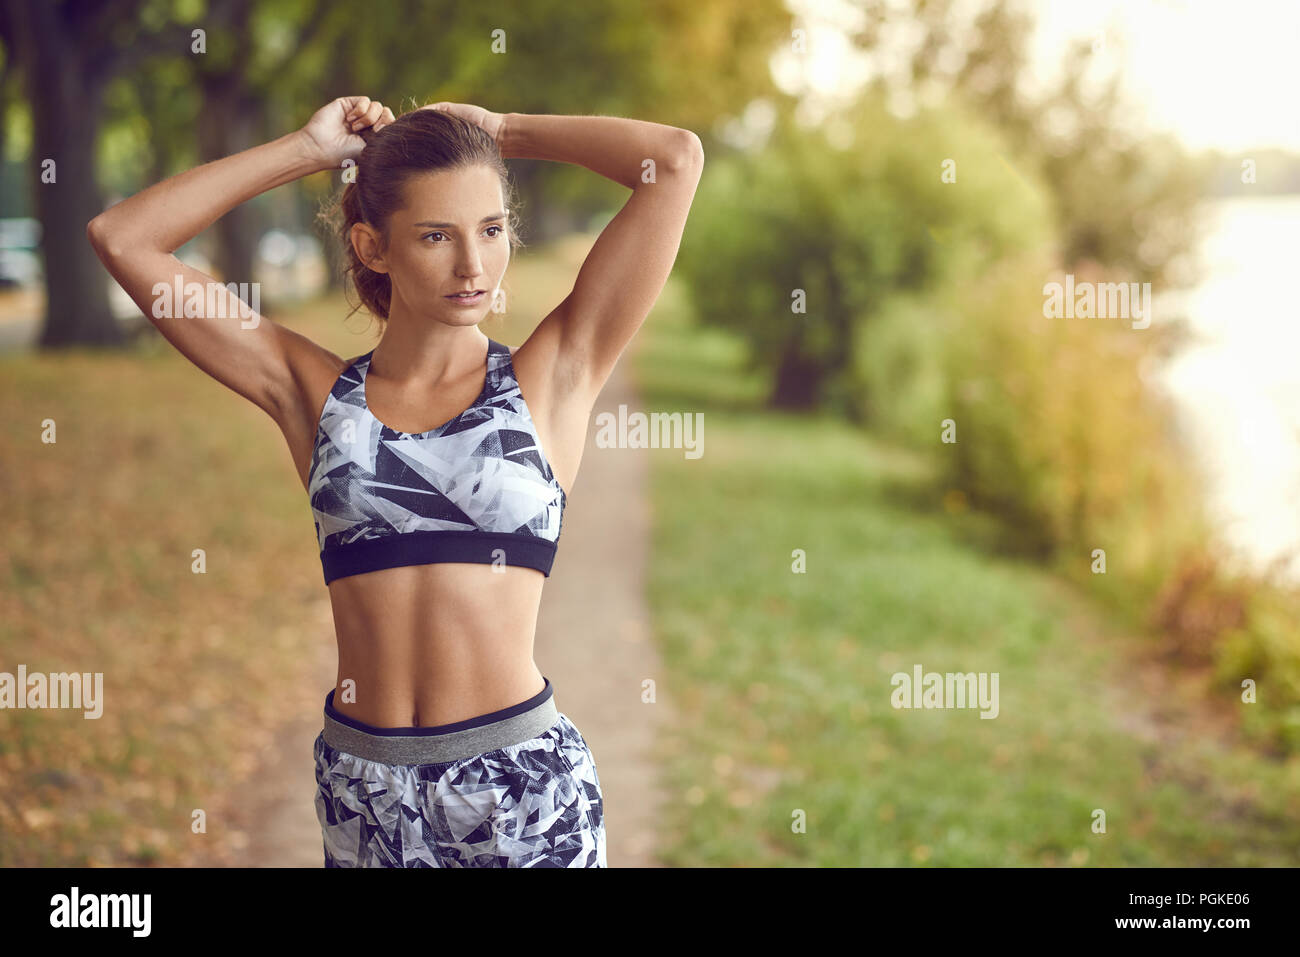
[[368, 245]]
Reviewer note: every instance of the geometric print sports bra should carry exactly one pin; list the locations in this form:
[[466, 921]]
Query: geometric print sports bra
[[475, 489]]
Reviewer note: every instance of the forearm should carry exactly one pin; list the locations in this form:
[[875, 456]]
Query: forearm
[[613, 146], [171, 213]]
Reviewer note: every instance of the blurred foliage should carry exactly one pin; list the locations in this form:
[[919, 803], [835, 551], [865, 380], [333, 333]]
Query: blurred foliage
[[1262, 649], [291, 56], [1056, 430], [851, 219], [1124, 198]]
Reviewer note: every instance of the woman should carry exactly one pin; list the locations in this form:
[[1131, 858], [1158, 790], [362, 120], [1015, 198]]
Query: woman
[[436, 464]]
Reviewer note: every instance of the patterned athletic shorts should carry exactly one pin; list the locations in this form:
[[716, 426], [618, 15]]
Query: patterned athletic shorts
[[514, 788]]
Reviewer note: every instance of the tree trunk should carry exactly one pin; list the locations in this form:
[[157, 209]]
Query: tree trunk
[[231, 121], [67, 109], [229, 125], [798, 380]]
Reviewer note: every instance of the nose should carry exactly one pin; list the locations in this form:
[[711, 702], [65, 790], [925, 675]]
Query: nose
[[470, 264]]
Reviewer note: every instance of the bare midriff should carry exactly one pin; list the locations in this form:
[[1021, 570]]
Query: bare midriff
[[427, 645]]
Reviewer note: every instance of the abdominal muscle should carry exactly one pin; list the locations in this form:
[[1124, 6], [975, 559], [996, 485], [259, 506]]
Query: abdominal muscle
[[427, 645]]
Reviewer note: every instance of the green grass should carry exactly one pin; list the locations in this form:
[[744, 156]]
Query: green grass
[[782, 679]]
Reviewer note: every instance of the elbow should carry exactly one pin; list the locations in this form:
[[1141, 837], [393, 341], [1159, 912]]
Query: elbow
[[101, 239], [697, 147], [95, 231], [690, 153]]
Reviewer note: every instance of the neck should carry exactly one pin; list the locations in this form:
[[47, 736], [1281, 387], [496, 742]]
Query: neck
[[416, 349]]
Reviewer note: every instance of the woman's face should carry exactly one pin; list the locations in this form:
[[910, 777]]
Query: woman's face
[[450, 236]]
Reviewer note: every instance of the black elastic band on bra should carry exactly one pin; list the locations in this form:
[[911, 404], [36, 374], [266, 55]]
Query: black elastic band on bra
[[431, 547]]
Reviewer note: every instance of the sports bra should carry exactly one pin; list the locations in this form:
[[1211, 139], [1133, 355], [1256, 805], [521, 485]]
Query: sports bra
[[475, 489]]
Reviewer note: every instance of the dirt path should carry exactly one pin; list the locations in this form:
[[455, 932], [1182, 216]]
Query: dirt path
[[279, 813], [593, 642]]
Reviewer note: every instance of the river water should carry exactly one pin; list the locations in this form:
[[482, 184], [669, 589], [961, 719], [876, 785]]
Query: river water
[[1237, 385]]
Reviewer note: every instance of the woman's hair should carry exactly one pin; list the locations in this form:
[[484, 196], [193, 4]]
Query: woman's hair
[[421, 141]]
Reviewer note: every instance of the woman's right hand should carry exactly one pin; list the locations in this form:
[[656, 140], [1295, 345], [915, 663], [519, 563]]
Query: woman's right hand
[[333, 134]]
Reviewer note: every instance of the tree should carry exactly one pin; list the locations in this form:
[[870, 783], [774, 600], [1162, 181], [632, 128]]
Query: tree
[[1075, 134], [65, 52], [800, 246]]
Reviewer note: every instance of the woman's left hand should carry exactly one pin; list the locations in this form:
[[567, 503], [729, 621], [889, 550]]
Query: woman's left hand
[[491, 123]]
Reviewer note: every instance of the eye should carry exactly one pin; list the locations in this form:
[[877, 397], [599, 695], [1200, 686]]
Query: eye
[[437, 232]]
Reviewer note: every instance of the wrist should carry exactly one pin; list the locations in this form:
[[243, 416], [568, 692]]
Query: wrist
[[307, 153], [506, 135]]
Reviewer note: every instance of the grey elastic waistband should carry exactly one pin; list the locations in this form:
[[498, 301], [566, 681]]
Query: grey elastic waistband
[[448, 742]]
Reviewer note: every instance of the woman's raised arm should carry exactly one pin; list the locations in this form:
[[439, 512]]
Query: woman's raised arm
[[627, 267], [202, 318]]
